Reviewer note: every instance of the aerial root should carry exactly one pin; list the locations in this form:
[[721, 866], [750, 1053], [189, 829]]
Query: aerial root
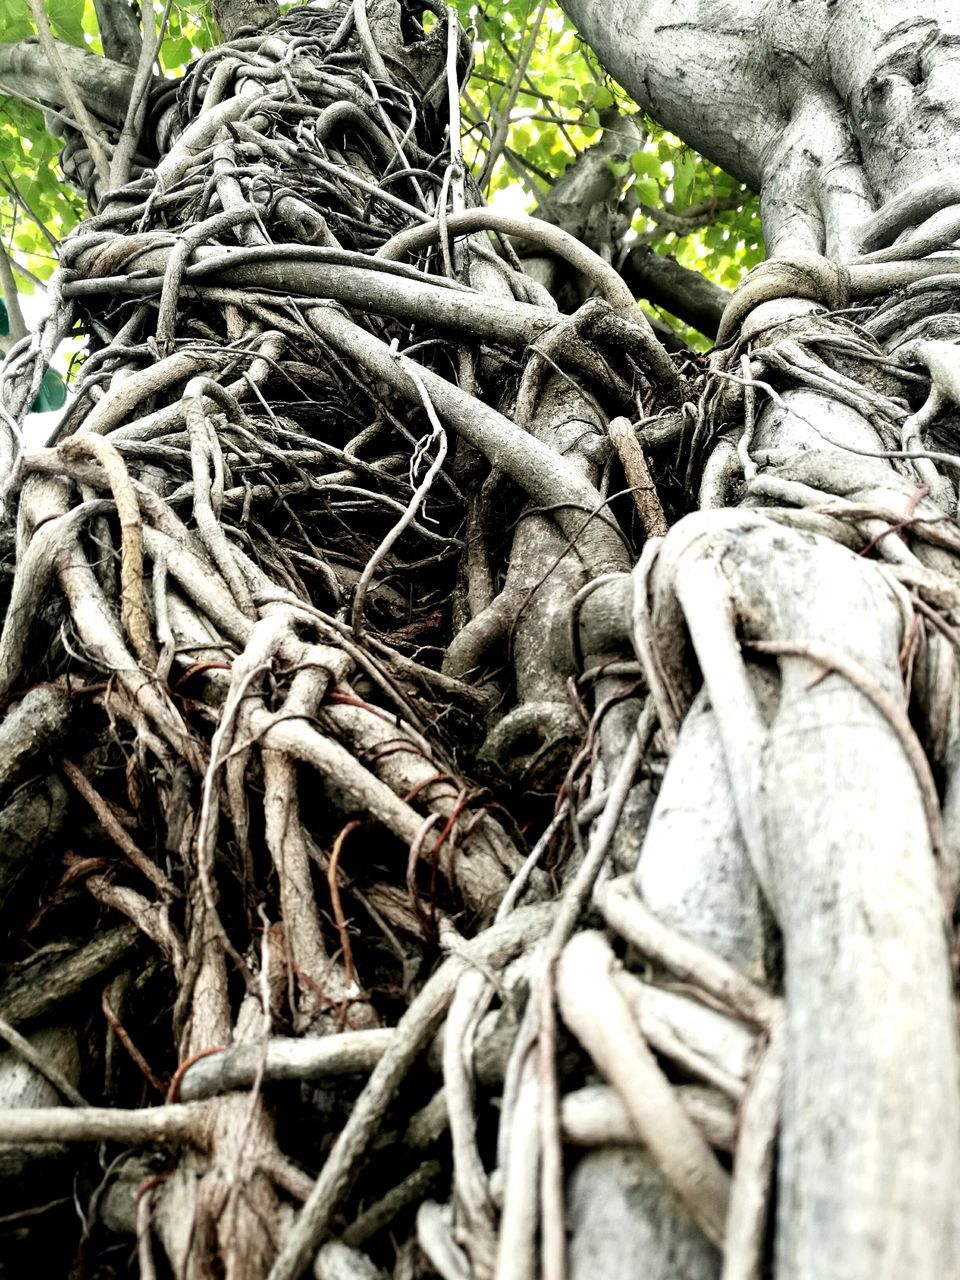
[[712, 568], [288, 809], [593, 1007], [800, 276]]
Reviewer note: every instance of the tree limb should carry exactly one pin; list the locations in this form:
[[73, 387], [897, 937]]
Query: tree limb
[[69, 90], [119, 32], [18, 327], [686, 294], [102, 86]]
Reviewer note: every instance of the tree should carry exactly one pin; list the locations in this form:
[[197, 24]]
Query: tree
[[366, 608]]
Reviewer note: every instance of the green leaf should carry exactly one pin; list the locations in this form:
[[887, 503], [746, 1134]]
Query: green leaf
[[14, 24], [522, 136], [751, 256], [602, 98], [91, 29], [175, 54], [52, 393], [647, 164], [684, 172], [66, 20], [619, 168]]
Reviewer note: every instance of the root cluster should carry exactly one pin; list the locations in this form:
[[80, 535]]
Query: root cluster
[[343, 657]]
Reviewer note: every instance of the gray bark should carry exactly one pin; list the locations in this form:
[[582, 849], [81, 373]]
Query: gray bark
[[621, 1218], [814, 105], [104, 86], [818, 820], [119, 31], [234, 16], [23, 1087]]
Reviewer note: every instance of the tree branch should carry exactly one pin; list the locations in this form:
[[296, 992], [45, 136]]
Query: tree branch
[[151, 40], [102, 86], [119, 32], [170, 1125], [18, 327], [71, 97], [686, 294], [504, 113]]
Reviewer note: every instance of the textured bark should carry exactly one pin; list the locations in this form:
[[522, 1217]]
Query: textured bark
[[234, 16], [794, 641], [104, 86], [814, 105], [686, 294], [23, 1088], [119, 31]]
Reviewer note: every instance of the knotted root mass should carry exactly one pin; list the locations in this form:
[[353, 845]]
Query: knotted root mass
[[347, 668]]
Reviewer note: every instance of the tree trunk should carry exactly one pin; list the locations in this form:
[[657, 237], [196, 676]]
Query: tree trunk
[[833, 115], [353, 638]]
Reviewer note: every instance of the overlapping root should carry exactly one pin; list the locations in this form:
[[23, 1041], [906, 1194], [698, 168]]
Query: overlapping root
[[329, 670], [238, 567]]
